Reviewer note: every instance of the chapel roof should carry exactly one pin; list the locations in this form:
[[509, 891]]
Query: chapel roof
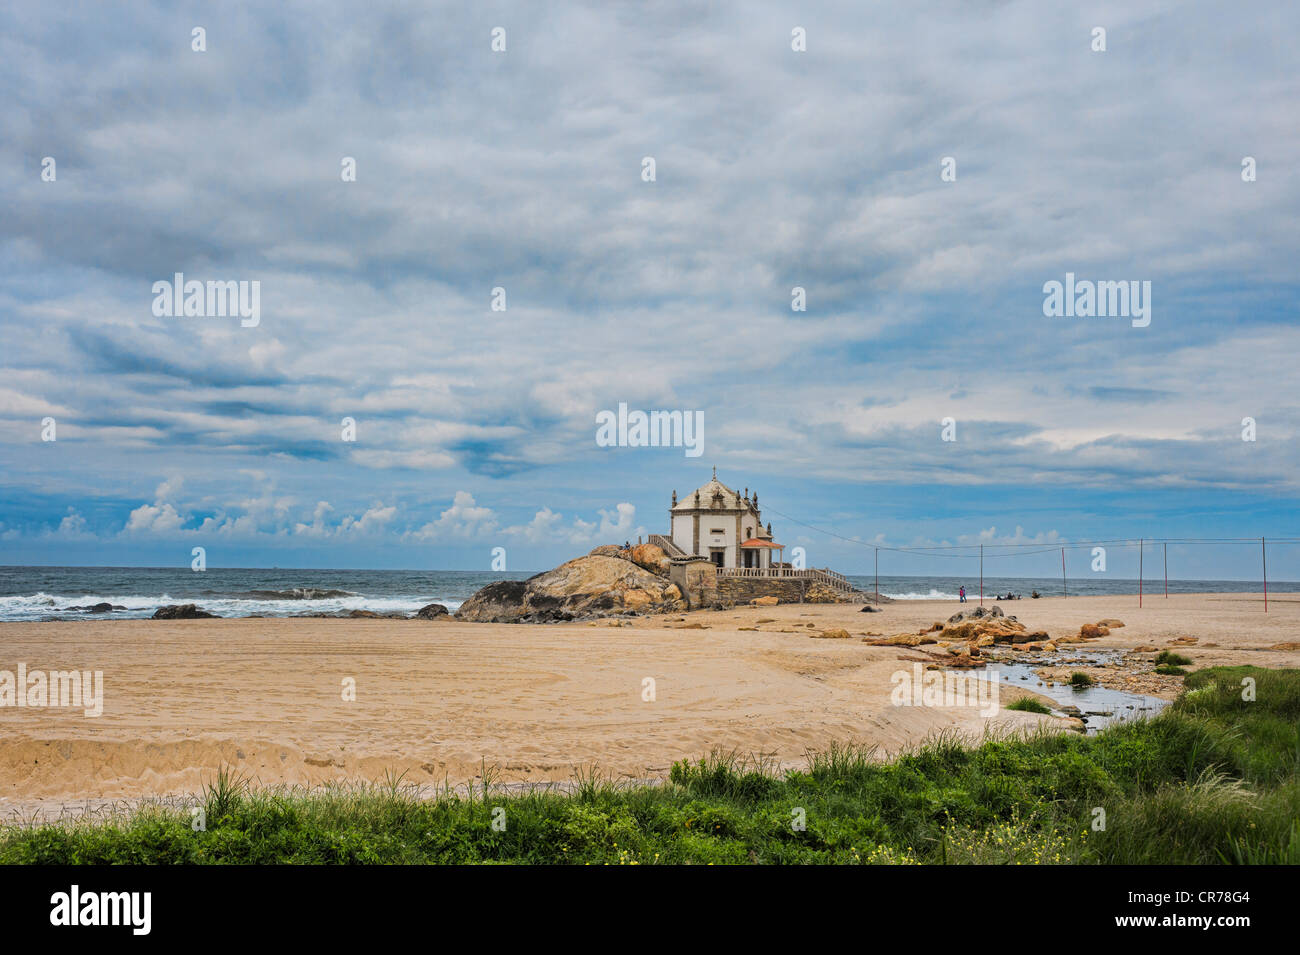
[[728, 499]]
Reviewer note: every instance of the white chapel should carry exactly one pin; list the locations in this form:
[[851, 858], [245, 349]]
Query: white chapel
[[723, 525]]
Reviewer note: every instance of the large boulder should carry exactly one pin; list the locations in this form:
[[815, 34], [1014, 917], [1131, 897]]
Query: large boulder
[[181, 612], [651, 557], [431, 612], [498, 601], [583, 588]]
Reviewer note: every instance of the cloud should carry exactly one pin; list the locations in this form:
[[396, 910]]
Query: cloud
[[73, 527], [549, 526], [373, 521], [154, 519], [464, 519], [317, 526], [776, 169]]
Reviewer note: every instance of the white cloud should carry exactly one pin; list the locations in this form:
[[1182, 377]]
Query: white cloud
[[372, 521], [464, 519], [154, 519]]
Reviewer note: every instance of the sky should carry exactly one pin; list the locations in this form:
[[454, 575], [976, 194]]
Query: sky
[[920, 171]]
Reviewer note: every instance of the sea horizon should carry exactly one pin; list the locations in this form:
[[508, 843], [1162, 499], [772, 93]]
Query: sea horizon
[[59, 592]]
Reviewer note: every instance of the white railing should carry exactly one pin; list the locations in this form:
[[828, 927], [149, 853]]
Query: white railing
[[825, 575], [666, 545]]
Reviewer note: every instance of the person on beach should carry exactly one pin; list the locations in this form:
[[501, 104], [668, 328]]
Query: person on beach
[[961, 595]]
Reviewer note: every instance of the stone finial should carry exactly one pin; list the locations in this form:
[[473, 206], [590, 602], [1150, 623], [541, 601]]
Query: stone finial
[[715, 472], [756, 499], [674, 497]]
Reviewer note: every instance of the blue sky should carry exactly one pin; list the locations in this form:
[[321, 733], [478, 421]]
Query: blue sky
[[522, 170]]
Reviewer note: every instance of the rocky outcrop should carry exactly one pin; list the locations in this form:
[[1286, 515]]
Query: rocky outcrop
[[503, 600], [979, 613], [900, 640], [181, 612], [646, 556], [583, 588], [431, 612], [652, 558], [819, 593]]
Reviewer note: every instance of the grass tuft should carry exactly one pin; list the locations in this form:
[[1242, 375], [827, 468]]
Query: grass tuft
[[1027, 704]]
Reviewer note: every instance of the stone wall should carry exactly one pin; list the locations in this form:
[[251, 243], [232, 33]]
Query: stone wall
[[741, 590], [697, 579]]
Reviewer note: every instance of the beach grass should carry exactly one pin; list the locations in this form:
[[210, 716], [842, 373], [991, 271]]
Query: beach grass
[[1027, 704], [1214, 779]]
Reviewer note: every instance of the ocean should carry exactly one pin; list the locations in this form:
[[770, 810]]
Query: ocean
[[61, 593], [46, 593]]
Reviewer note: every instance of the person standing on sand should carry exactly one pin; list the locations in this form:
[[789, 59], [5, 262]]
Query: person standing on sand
[[961, 595]]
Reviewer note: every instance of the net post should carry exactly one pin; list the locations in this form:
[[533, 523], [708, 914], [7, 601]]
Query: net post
[[1263, 553]]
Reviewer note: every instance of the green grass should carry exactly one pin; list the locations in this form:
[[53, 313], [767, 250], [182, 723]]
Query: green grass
[[1214, 779], [1028, 704], [1080, 679], [1169, 658], [1170, 670]]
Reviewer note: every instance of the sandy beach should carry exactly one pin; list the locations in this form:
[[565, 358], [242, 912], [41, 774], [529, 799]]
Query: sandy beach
[[439, 700]]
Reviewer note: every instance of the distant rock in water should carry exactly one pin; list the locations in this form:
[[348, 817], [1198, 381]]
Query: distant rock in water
[[431, 612], [181, 612], [583, 588], [95, 608]]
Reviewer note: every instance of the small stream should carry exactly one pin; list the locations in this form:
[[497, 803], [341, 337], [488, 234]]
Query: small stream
[[1096, 705]]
